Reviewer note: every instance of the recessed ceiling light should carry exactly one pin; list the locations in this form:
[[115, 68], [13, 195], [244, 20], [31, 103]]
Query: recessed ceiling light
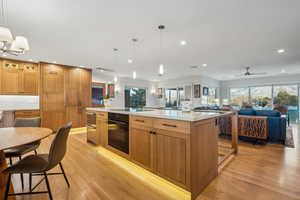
[[30, 60], [282, 70], [280, 51], [4, 55], [82, 66], [130, 61], [204, 65], [182, 42], [54, 62], [101, 70]]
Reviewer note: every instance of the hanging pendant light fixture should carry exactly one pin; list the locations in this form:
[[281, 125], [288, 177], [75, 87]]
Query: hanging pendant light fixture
[[115, 62], [8, 44], [134, 41], [161, 66]]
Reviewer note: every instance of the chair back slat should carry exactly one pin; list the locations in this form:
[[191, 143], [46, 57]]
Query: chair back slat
[[59, 146]]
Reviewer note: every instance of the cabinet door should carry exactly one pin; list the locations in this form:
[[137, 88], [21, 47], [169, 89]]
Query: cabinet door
[[73, 96], [30, 79], [102, 131], [53, 96], [11, 79], [141, 147], [85, 93], [171, 155]]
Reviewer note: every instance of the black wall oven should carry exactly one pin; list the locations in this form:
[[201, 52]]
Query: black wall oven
[[118, 131]]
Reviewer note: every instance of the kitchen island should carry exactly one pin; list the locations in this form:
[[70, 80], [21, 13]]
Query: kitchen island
[[181, 147]]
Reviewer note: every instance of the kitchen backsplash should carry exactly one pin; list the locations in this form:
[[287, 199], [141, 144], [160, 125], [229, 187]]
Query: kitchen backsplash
[[18, 102]]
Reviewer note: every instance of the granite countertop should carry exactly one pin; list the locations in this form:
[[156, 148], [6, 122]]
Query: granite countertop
[[166, 114]]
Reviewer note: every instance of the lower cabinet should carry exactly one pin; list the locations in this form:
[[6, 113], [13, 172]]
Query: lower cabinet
[[162, 150], [141, 147], [171, 155]]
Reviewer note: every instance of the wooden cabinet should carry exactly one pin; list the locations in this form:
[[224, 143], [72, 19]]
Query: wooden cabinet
[[171, 155], [72, 86], [85, 94], [53, 103], [161, 146], [19, 78], [65, 94], [27, 113], [31, 76], [142, 141], [101, 128]]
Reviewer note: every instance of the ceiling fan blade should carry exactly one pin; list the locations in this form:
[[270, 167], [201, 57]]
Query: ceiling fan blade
[[259, 73]]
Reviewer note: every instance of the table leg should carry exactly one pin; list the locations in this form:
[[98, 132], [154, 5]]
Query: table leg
[[3, 177]]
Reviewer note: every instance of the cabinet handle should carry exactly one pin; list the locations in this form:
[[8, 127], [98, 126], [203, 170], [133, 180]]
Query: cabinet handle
[[170, 125], [138, 120]]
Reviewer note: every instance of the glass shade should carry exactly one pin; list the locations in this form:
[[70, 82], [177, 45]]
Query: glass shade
[[161, 69], [20, 44], [134, 75], [5, 35]]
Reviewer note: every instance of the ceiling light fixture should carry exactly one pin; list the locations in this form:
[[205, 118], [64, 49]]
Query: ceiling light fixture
[[204, 65], [130, 61], [182, 42], [30, 60], [8, 44], [115, 79], [280, 51], [54, 62], [161, 66], [134, 75], [282, 70]]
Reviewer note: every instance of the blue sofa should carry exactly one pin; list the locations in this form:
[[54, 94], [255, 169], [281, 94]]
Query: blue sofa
[[276, 123]]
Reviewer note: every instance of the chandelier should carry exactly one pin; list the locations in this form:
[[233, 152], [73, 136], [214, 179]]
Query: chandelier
[[9, 45]]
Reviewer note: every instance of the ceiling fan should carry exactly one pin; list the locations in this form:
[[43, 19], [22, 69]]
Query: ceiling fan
[[248, 73]]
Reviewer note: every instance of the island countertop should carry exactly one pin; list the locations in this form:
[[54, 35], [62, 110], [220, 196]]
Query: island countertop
[[166, 114]]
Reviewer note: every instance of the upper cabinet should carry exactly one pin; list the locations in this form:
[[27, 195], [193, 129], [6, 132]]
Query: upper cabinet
[[19, 78]]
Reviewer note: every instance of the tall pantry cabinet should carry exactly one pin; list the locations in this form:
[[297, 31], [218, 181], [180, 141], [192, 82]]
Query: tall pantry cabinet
[[65, 93]]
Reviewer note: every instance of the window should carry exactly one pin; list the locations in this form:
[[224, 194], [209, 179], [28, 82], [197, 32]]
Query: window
[[287, 95], [261, 97], [171, 97], [239, 97], [211, 97], [135, 97]]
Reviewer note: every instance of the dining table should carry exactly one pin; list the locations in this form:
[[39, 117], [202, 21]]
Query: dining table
[[14, 137]]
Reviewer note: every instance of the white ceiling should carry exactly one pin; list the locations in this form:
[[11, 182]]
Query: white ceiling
[[227, 35]]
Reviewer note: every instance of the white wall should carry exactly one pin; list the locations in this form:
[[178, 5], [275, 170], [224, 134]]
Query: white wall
[[119, 100], [204, 81], [19, 102]]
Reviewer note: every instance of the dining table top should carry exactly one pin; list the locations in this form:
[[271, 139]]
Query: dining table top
[[14, 137]]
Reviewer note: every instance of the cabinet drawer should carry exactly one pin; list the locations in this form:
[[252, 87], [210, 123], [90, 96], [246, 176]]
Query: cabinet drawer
[[141, 122], [102, 116], [171, 125], [27, 113]]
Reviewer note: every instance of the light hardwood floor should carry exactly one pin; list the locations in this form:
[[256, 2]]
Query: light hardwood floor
[[257, 173]]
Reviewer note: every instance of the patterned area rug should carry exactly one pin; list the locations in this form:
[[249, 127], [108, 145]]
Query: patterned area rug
[[289, 141]]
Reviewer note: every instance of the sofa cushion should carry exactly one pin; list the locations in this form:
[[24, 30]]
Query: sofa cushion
[[268, 113], [247, 112]]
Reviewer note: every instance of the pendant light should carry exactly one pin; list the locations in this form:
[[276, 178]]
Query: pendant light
[[8, 44], [134, 74], [134, 42], [161, 66], [115, 62]]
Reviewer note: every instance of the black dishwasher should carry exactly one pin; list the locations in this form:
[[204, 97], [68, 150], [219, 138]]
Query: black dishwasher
[[118, 131]]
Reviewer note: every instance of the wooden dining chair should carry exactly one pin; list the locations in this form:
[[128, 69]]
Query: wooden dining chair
[[40, 164], [18, 152]]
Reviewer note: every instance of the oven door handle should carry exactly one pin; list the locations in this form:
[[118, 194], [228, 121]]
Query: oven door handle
[[91, 127], [117, 122]]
